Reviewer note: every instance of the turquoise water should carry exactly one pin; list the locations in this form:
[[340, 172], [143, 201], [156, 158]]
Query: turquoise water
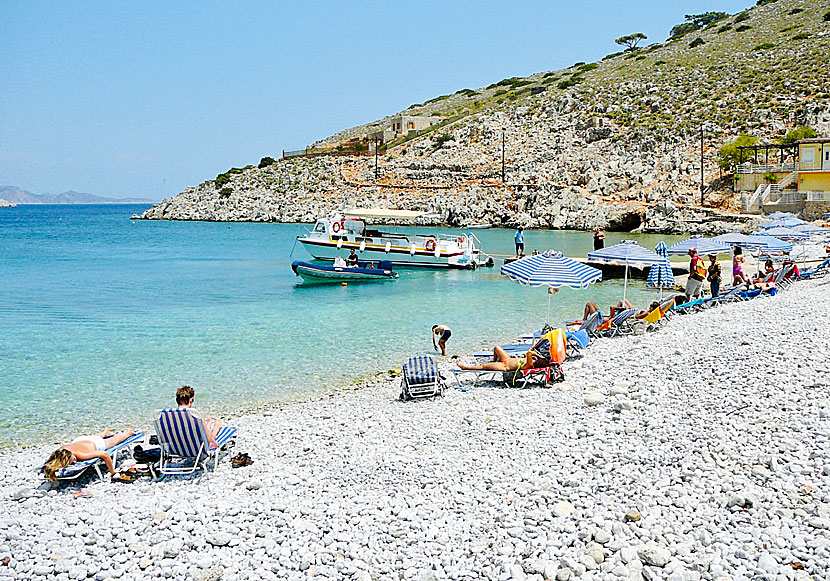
[[102, 318]]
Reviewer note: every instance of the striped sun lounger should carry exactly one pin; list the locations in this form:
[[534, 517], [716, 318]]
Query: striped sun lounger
[[74, 471], [420, 378], [184, 442]]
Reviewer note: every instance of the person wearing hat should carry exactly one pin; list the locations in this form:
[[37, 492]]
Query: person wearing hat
[[714, 275], [697, 270]]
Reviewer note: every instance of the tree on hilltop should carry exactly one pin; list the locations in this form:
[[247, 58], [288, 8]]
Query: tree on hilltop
[[631, 40], [696, 22]]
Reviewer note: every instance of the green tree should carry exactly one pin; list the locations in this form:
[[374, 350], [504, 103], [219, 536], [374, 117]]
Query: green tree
[[797, 134], [631, 40], [729, 155], [696, 22]]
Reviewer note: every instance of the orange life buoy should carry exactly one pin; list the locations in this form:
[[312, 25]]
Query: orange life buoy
[[460, 240], [430, 246], [335, 227]]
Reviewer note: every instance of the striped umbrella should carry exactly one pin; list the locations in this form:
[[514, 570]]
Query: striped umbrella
[[660, 275], [703, 245], [787, 222], [626, 253], [779, 215], [810, 229], [783, 233], [765, 242], [553, 270]]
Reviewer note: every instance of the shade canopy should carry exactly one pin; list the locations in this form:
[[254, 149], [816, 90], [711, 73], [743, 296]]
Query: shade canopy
[[786, 222], [703, 245], [660, 275], [810, 229], [765, 242], [626, 253], [383, 213], [551, 269], [784, 233]]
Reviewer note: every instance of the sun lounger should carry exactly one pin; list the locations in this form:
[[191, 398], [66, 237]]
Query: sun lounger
[[620, 324], [820, 270], [184, 442], [74, 471], [420, 378]]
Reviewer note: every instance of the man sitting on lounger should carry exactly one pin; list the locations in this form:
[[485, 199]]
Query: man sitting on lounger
[[184, 399], [85, 448]]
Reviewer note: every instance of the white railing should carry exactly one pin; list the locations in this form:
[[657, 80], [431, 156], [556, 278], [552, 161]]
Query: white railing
[[788, 179], [749, 167], [790, 197], [817, 196]]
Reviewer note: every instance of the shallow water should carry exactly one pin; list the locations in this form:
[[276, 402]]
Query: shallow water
[[102, 318]]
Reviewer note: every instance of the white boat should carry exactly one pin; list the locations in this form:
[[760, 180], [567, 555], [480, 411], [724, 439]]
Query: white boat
[[337, 234]]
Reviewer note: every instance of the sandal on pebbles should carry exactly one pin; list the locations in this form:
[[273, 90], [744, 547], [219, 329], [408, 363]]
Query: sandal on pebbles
[[241, 459]]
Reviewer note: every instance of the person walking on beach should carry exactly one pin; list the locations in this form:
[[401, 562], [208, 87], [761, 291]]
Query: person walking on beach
[[714, 276], [599, 238], [184, 399], [520, 242], [443, 333], [697, 271]]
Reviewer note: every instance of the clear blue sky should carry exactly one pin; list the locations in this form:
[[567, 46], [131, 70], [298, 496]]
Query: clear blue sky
[[143, 99]]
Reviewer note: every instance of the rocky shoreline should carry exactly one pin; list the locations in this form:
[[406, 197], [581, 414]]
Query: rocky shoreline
[[701, 453]]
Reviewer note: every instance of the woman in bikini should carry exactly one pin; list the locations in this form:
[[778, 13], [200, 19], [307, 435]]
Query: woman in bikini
[[85, 448], [738, 276], [503, 362]]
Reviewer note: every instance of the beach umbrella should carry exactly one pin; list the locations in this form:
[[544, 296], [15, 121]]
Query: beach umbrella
[[703, 245], [747, 241], [660, 274], [810, 229], [787, 222], [783, 233], [779, 215], [553, 270], [627, 253]]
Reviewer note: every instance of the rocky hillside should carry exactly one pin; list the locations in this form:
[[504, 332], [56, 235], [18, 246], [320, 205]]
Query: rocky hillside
[[614, 143]]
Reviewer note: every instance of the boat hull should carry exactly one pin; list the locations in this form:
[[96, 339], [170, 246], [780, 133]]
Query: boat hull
[[398, 256], [320, 273]]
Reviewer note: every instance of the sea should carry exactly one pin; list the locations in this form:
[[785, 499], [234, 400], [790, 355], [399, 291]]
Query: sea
[[102, 317]]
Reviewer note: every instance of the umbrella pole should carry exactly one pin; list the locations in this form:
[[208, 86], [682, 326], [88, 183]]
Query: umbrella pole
[[547, 319], [625, 280]]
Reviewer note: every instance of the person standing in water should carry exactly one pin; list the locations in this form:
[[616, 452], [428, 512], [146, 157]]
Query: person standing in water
[[443, 333], [520, 242], [599, 238]]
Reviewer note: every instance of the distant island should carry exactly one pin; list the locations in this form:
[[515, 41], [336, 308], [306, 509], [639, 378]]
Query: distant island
[[14, 195]]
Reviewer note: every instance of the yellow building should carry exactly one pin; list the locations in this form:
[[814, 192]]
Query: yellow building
[[801, 184]]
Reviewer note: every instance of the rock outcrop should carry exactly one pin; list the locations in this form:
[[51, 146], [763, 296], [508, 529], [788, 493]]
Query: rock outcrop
[[616, 143]]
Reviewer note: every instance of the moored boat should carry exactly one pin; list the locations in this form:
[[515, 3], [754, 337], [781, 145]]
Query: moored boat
[[337, 234], [339, 272]]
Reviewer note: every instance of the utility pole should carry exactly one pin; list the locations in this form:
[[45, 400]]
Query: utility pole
[[502, 157], [376, 159], [701, 164]]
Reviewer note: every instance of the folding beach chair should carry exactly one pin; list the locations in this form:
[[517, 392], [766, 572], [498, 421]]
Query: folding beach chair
[[620, 324], [553, 349], [184, 442], [74, 471], [420, 378], [817, 271]]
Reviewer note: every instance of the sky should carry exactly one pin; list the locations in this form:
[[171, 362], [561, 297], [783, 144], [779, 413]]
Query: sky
[[143, 99]]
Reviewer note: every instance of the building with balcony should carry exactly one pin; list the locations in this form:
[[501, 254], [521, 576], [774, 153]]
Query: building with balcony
[[795, 179]]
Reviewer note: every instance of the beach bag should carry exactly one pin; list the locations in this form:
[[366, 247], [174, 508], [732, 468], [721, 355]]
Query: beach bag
[[149, 456]]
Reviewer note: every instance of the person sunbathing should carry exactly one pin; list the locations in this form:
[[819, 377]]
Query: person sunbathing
[[85, 448], [642, 314], [591, 308], [504, 362]]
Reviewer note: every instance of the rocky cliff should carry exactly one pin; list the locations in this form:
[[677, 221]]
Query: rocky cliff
[[615, 143]]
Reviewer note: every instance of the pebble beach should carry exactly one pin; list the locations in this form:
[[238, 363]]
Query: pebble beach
[[700, 451]]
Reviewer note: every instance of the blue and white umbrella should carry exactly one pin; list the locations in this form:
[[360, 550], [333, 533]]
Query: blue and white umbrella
[[626, 253], [553, 270], [810, 229], [784, 233], [660, 275], [765, 242], [703, 245], [779, 215], [787, 222]]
